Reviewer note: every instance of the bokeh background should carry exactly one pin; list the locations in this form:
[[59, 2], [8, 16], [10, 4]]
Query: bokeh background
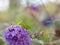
[[17, 12]]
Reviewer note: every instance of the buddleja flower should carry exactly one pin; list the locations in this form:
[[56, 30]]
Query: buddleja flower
[[47, 21], [35, 8], [17, 35]]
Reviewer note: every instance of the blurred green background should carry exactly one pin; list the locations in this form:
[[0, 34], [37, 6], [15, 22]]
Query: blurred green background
[[19, 15]]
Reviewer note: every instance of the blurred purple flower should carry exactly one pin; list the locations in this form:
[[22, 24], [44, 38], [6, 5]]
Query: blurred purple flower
[[35, 8], [47, 21], [17, 35]]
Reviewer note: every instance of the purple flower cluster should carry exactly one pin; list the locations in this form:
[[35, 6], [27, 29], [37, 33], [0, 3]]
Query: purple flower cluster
[[17, 35]]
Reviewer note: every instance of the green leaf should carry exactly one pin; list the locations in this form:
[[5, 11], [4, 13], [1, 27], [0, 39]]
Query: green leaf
[[25, 26]]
